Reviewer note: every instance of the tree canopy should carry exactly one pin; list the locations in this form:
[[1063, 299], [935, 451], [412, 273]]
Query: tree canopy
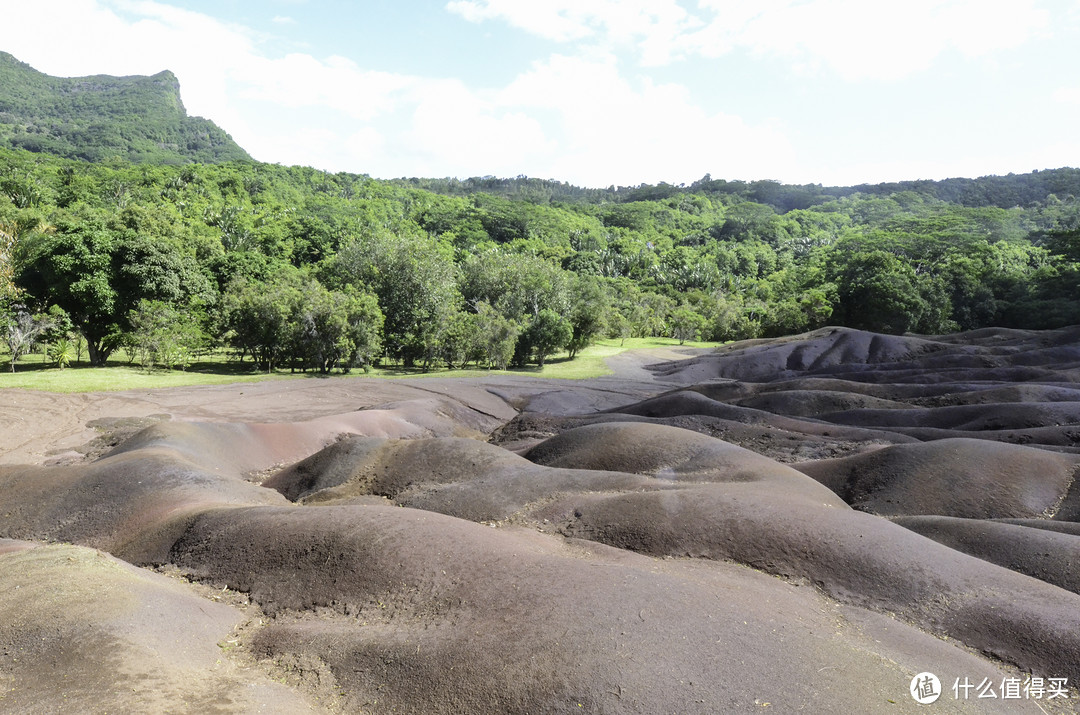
[[291, 267]]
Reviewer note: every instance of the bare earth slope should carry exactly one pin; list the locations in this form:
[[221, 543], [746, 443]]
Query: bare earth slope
[[799, 524]]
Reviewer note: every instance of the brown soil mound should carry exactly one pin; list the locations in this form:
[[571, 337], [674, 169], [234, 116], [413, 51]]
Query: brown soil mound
[[1006, 393], [435, 614], [693, 402], [663, 452], [969, 418], [1016, 356], [853, 557], [81, 631], [811, 403], [820, 351], [464, 478], [763, 437], [951, 477], [1050, 556], [621, 560]]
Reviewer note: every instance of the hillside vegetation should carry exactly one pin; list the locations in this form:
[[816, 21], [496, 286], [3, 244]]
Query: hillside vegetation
[[295, 267], [99, 118]]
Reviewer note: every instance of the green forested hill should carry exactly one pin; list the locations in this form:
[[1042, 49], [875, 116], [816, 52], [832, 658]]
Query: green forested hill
[[137, 119], [298, 267], [1004, 192], [123, 222]]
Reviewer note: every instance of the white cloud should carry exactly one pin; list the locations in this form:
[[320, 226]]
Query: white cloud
[[283, 20], [969, 165], [549, 20], [654, 26], [299, 80], [614, 128], [571, 118], [363, 146], [223, 74], [303, 146], [124, 38], [856, 39], [453, 125], [578, 116], [867, 40]]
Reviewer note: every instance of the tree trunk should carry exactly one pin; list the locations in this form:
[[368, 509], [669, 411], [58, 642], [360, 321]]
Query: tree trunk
[[97, 352]]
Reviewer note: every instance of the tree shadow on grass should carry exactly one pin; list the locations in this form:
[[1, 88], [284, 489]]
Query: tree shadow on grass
[[29, 366], [233, 368], [230, 367]]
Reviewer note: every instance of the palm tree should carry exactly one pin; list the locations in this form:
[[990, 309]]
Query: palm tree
[[11, 232], [9, 235], [62, 352]]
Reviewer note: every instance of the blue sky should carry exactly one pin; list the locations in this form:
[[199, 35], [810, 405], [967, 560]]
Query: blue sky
[[601, 92]]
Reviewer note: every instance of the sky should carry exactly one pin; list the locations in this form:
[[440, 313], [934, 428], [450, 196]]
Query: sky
[[600, 92]]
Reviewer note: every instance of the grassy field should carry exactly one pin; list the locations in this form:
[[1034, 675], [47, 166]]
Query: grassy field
[[32, 374]]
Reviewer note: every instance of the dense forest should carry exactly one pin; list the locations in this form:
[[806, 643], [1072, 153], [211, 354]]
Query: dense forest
[[291, 267]]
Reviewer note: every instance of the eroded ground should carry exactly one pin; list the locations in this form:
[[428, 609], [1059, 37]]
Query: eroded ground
[[798, 524]]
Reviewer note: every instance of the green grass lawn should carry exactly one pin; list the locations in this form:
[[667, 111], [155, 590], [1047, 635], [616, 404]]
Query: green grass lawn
[[33, 374]]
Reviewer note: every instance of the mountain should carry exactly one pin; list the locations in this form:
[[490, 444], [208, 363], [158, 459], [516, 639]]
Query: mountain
[[139, 119]]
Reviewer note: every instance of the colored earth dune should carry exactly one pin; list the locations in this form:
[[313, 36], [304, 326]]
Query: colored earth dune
[[799, 524]]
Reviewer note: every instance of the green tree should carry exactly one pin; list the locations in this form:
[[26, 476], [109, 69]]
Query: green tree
[[62, 352], [9, 235], [519, 286], [648, 314], [879, 292], [63, 347], [332, 329], [74, 269], [618, 326], [498, 336], [98, 272], [163, 334], [734, 318], [753, 221], [588, 307], [462, 340], [686, 324], [547, 334], [256, 317], [416, 286]]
